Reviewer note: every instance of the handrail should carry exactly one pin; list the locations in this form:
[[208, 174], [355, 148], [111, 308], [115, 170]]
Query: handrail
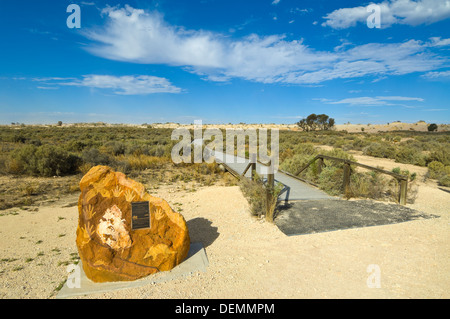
[[402, 179], [345, 161]]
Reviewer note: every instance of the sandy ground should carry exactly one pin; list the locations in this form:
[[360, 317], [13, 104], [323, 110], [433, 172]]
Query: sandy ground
[[248, 258]]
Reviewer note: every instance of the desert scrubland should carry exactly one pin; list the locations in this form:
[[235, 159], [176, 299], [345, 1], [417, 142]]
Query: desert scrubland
[[248, 257]]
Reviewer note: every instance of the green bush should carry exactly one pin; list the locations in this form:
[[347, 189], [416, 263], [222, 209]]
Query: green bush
[[45, 160], [445, 180], [432, 127], [303, 153], [255, 193], [380, 150], [95, 157], [441, 155], [435, 169], [330, 180], [23, 160], [407, 155], [115, 148], [439, 171], [339, 154], [52, 160], [368, 185], [295, 163]]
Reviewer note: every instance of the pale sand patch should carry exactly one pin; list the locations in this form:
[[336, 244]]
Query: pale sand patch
[[249, 258]]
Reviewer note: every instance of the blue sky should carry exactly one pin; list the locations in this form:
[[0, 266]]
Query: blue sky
[[224, 61]]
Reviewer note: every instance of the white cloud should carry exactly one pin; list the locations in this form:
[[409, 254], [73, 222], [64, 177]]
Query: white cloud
[[437, 75], [438, 42], [47, 87], [275, 2], [408, 12], [121, 85], [399, 98], [373, 101], [300, 11], [138, 36]]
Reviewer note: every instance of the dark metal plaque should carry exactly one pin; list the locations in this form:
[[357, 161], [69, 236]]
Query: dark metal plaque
[[140, 215]]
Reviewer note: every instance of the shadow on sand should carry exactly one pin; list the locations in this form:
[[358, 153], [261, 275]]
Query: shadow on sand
[[201, 230]]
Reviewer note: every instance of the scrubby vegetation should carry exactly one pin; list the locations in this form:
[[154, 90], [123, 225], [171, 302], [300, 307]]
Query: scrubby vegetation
[[35, 154], [37, 163], [256, 193], [417, 148]]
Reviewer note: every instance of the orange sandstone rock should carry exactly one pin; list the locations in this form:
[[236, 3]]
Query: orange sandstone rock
[[109, 249]]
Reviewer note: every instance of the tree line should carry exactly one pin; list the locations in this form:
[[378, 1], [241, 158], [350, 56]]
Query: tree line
[[313, 122]]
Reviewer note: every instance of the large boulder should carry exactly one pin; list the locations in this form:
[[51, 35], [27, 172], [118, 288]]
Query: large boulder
[[110, 250]]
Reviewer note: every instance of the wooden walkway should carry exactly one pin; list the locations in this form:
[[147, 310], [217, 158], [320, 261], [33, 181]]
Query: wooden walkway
[[293, 190]]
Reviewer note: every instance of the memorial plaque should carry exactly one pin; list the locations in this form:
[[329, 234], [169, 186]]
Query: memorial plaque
[[140, 215]]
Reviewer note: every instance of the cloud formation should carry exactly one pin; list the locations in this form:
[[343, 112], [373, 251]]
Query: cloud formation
[[137, 36], [121, 85], [373, 101], [437, 75], [407, 12]]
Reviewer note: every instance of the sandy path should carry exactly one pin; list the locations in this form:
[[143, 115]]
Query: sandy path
[[249, 258]]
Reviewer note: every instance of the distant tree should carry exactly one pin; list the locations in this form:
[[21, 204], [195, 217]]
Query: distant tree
[[331, 123], [322, 121], [311, 121], [59, 123], [302, 124], [314, 122], [432, 127]]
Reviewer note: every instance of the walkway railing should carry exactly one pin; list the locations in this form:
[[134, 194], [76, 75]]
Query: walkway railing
[[402, 180], [269, 185]]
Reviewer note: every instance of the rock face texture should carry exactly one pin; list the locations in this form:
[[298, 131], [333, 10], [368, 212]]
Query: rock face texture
[[110, 250]]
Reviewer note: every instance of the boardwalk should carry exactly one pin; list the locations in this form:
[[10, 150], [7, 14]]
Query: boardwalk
[[308, 210], [293, 188]]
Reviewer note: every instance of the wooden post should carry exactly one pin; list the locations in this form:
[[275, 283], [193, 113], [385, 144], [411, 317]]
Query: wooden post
[[269, 193], [253, 161], [346, 182], [403, 191], [319, 165]]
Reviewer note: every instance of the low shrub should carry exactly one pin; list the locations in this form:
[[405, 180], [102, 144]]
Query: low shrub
[[435, 169], [407, 155], [444, 180], [330, 180], [115, 148], [52, 160], [368, 185], [440, 155], [256, 194], [45, 160], [439, 171], [95, 157], [379, 150]]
